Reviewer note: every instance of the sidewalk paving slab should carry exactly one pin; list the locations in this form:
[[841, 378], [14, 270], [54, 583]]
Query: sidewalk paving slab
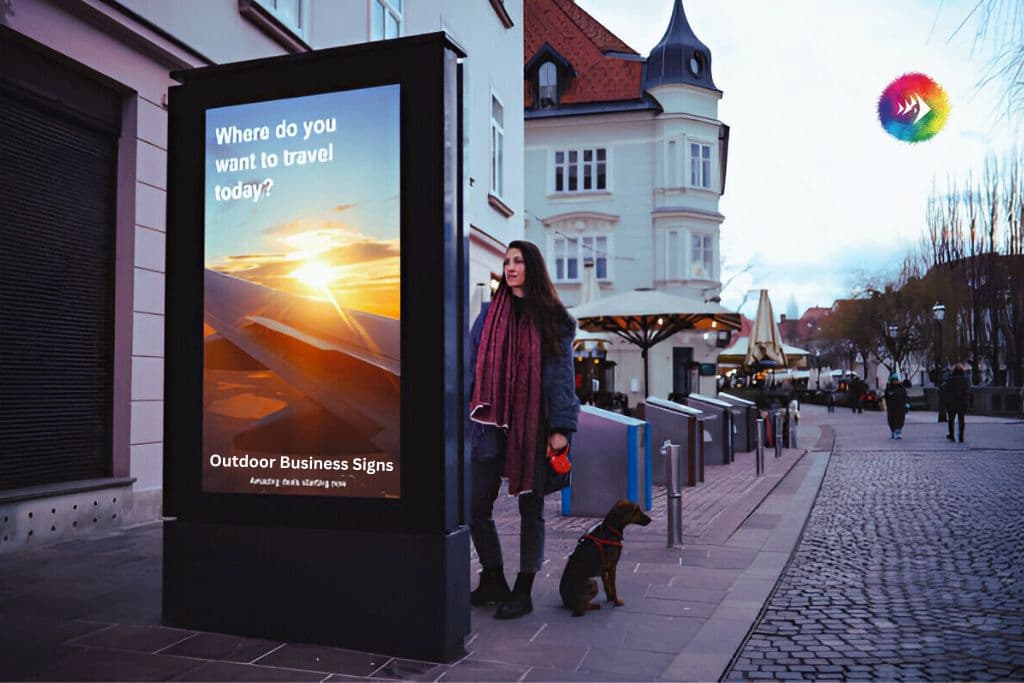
[[89, 609]]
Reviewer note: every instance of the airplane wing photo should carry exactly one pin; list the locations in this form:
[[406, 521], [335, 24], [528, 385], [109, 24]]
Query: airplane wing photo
[[348, 362]]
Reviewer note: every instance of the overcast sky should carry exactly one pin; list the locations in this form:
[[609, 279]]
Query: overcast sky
[[816, 188]]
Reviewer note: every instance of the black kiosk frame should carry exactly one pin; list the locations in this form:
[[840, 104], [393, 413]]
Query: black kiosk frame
[[385, 575]]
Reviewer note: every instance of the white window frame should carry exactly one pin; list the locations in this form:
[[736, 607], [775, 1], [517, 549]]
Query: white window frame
[[677, 254], [497, 174], [300, 29], [391, 8], [580, 253], [707, 248], [583, 167], [700, 173]]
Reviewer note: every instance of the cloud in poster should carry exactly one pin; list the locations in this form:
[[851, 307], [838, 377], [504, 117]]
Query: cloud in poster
[[325, 259]]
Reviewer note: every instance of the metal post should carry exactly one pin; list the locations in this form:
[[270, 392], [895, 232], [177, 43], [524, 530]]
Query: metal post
[[777, 423], [674, 504], [759, 451], [938, 373]]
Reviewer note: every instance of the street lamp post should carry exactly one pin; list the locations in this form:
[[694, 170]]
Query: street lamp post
[[817, 366], [894, 335], [939, 312]]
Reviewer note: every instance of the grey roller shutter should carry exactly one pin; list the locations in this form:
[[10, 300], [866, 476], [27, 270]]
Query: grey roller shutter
[[57, 199]]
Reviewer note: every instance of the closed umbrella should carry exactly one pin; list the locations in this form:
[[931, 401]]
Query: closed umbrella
[[765, 348], [645, 317], [737, 354]]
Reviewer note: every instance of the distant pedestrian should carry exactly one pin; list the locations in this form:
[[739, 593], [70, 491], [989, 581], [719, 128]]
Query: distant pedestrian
[[957, 390], [794, 414], [895, 406], [830, 402], [858, 388]]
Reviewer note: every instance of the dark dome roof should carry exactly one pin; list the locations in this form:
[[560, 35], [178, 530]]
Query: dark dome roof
[[680, 57]]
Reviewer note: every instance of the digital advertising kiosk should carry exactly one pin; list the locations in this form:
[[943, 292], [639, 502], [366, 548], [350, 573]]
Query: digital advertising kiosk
[[316, 303]]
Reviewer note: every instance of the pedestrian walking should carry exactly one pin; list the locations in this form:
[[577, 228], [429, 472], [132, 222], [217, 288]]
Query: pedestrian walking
[[956, 392], [830, 402], [523, 405], [794, 414], [895, 398]]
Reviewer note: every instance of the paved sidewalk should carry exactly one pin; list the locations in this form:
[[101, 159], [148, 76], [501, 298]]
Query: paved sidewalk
[[912, 563], [89, 609]]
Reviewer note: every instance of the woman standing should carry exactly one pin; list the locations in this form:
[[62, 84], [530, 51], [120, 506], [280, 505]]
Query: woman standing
[[895, 406], [522, 403]]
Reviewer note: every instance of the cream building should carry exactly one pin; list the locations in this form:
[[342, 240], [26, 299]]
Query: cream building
[[625, 165]]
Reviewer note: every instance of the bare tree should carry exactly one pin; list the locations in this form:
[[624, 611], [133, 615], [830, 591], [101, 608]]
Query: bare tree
[[975, 240], [999, 25]]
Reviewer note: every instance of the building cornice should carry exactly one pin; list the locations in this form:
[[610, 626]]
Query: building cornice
[[589, 108], [688, 213], [486, 240], [579, 216], [689, 117], [592, 119], [118, 21], [696, 89]]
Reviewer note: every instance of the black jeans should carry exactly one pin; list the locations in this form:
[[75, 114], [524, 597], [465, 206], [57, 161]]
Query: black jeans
[[952, 414], [486, 484]]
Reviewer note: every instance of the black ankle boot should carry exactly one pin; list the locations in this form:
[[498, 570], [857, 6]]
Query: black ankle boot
[[493, 587], [519, 603]]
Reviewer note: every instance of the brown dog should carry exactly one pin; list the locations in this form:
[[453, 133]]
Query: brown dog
[[597, 554]]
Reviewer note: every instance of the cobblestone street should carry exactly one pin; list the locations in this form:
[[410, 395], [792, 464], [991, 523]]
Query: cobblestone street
[[911, 566]]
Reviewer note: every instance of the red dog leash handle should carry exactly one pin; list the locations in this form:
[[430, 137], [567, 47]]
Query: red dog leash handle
[[559, 459]]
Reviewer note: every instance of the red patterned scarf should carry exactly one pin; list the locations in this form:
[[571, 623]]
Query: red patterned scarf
[[507, 387]]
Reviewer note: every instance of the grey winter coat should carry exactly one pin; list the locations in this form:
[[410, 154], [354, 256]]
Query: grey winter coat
[[561, 407]]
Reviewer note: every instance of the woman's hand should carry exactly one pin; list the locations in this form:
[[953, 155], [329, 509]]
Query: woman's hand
[[557, 441]]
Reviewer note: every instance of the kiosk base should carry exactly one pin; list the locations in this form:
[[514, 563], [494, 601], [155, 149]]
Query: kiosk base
[[401, 594]]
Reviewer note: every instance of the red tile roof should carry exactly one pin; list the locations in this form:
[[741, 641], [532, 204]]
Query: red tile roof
[[583, 41]]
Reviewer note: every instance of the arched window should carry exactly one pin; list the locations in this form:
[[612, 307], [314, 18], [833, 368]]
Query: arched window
[[547, 79]]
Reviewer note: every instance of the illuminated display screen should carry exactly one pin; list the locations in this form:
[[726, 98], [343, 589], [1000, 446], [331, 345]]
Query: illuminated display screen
[[302, 358]]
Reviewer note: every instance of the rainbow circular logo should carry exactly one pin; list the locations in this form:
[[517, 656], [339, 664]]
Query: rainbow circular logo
[[913, 108]]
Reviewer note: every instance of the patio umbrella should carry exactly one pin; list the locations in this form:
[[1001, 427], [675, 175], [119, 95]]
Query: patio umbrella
[[647, 316], [737, 353], [765, 347]]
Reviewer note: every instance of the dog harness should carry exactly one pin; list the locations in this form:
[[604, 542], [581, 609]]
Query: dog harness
[[602, 542]]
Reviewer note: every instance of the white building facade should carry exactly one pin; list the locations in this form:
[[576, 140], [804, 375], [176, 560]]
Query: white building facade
[[631, 184], [87, 80]]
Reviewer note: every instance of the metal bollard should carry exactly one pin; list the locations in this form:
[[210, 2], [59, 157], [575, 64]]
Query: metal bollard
[[674, 502], [759, 451], [777, 424]]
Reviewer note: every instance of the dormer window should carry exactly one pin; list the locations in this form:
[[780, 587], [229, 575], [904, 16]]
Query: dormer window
[[547, 78], [697, 64], [548, 75]]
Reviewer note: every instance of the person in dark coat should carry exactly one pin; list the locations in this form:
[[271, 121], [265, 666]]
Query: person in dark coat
[[895, 406], [523, 403], [830, 401], [858, 388], [956, 398]]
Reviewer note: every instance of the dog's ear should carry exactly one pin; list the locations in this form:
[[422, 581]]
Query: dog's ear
[[621, 514]]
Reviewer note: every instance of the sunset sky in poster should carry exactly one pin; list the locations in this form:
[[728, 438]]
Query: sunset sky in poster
[[328, 229]]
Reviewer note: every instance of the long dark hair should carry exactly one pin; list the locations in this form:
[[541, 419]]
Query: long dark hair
[[543, 306]]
